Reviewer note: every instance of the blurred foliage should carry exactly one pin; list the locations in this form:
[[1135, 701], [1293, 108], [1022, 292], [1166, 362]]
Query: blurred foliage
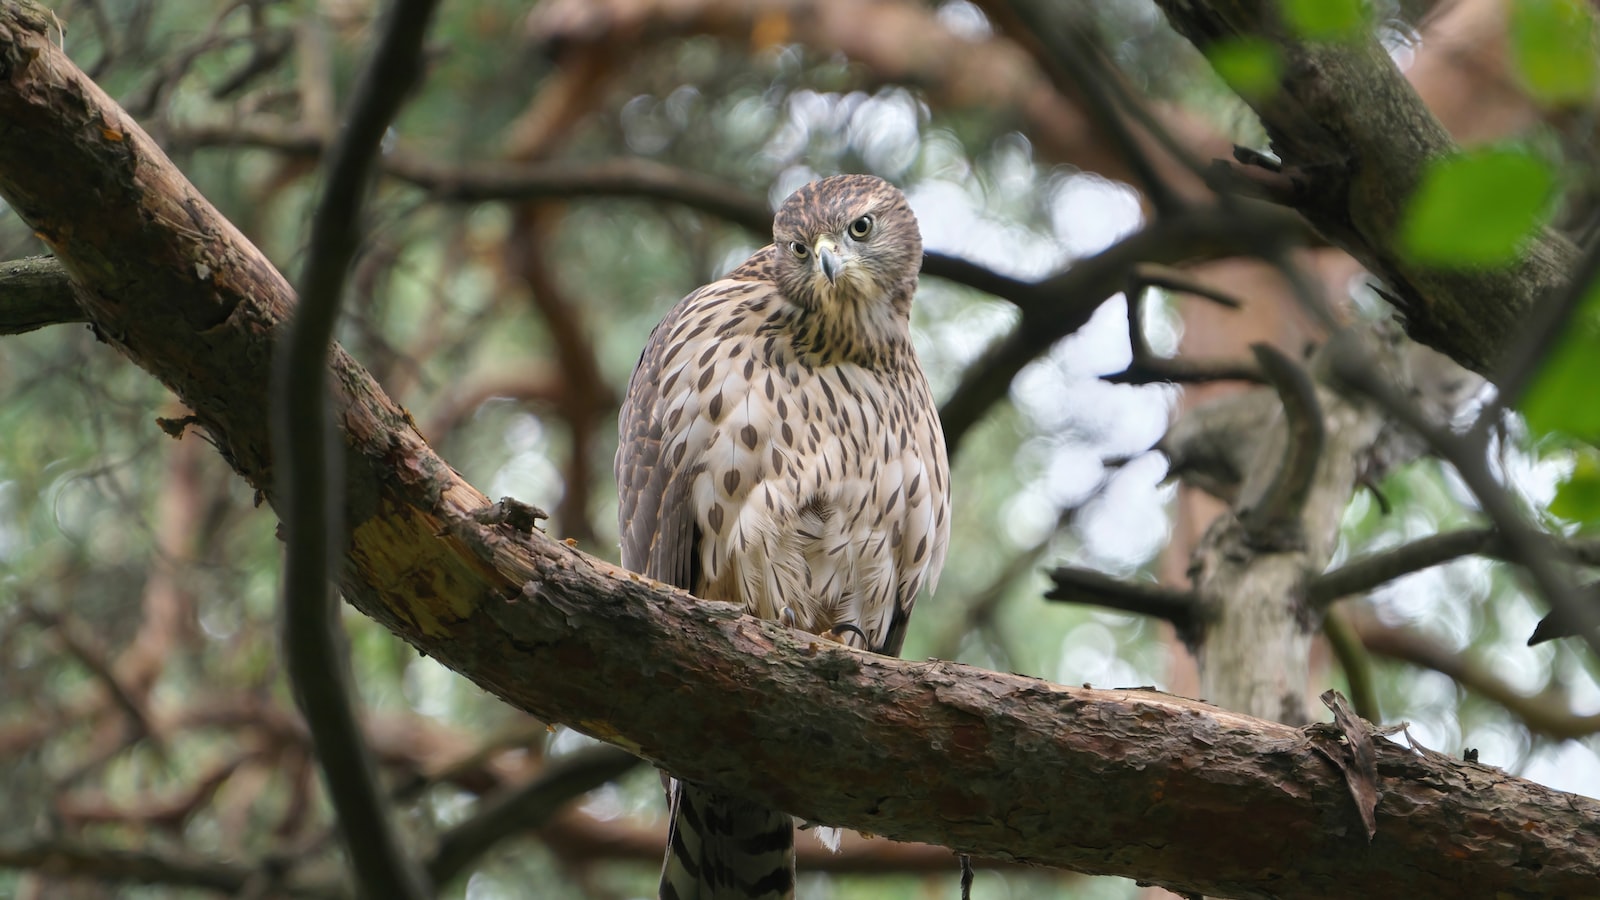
[[112, 532], [1248, 65], [1328, 20], [1478, 208], [1553, 43]]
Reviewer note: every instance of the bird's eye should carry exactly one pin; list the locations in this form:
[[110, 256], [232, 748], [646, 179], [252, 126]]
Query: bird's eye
[[798, 249], [861, 227]]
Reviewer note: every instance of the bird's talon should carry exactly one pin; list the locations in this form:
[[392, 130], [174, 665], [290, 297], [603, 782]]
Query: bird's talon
[[786, 615], [838, 631]]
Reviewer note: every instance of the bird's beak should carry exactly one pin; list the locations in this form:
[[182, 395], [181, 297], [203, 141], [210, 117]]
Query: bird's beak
[[828, 259]]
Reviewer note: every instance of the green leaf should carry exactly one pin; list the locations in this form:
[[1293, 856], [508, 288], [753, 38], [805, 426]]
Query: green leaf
[[1561, 398], [1477, 209], [1250, 66], [1578, 498], [1326, 20], [1554, 49]]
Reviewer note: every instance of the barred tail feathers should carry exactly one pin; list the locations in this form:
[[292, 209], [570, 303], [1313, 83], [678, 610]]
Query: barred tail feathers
[[723, 848]]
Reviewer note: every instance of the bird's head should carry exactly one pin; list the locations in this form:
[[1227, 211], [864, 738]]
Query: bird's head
[[848, 245]]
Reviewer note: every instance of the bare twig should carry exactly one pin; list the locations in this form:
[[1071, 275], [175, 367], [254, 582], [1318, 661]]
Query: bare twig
[[1075, 585], [488, 180], [1178, 370], [310, 473], [1145, 367], [1154, 275], [88, 650]]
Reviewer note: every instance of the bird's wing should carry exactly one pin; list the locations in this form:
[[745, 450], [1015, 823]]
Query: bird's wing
[[656, 461], [921, 553], [655, 519]]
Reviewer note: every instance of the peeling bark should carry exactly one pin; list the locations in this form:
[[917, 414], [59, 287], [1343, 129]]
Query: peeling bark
[[1135, 783]]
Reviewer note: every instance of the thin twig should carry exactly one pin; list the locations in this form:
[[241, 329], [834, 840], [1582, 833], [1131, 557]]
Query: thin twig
[[1178, 370], [309, 469], [485, 181], [1144, 366], [1075, 585], [88, 650]]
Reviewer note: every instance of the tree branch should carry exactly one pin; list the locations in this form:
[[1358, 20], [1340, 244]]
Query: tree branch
[[311, 473], [1532, 549], [529, 806], [1368, 572], [34, 292], [1274, 520], [1355, 139], [1181, 608], [1061, 304], [1118, 782], [1539, 714], [71, 858]]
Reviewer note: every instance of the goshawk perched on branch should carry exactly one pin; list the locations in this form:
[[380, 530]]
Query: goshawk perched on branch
[[780, 450]]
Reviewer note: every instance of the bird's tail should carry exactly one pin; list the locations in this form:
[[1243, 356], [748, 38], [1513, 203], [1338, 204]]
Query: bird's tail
[[722, 848]]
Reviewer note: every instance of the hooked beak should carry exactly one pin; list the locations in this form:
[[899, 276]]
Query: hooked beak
[[828, 260]]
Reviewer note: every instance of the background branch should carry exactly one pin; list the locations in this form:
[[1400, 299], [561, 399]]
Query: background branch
[[310, 474], [34, 293]]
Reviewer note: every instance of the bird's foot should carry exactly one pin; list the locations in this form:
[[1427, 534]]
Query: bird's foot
[[787, 617]]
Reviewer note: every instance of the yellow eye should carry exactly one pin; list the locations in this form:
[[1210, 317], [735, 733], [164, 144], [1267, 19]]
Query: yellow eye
[[861, 227], [798, 249]]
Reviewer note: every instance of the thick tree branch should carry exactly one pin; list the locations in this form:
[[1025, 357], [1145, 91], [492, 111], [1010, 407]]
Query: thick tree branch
[[1355, 139], [1124, 782]]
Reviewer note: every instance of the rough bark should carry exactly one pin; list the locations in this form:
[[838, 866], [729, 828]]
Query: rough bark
[[1355, 139], [1121, 782]]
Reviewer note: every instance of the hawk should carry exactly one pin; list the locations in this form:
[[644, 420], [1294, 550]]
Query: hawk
[[779, 449]]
